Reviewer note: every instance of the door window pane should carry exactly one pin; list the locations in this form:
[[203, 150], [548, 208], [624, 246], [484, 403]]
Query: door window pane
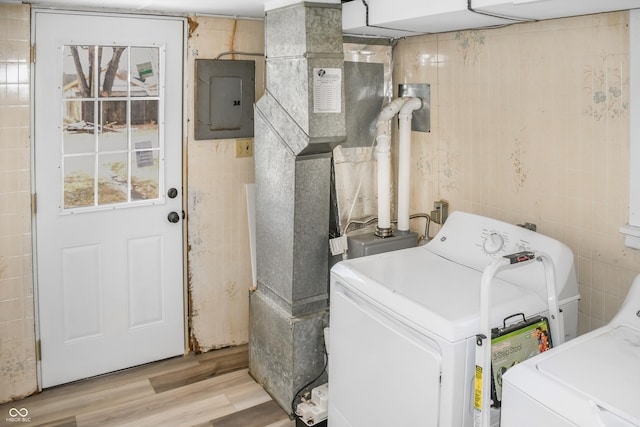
[[78, 128], [113, 71], [78, 71], [79, 181], [145, 64], [112, 179], [112, 133], [144, 122], [144, 174]]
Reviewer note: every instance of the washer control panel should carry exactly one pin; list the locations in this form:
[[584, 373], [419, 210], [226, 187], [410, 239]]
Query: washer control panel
[[475, 241], [502, 242]]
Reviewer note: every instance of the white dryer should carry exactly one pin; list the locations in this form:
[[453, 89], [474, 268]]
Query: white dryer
[[591, 381], [404, 323]]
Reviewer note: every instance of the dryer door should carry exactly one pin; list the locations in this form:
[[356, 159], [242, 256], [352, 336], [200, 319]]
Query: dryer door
[[381, 371]]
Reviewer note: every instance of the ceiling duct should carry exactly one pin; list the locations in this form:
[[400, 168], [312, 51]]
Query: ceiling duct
[[402, 18]]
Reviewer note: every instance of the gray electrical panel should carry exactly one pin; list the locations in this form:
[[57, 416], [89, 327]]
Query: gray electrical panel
[[224, 98]]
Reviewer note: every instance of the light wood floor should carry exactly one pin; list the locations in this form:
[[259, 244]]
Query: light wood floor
[[209, 389]]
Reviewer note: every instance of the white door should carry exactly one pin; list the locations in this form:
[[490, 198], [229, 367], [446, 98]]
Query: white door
[[108, 181]]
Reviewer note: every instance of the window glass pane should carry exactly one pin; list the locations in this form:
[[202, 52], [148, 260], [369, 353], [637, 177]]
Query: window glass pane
[[78, 71], [112, 178], [112, 133], [145, 67], [144, 122], [79, 184], [144, 173], [78, 132], [113, 71]]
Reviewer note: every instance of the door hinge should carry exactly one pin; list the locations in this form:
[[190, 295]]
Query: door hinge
[[38, 351], [34, 204], [32, 54]]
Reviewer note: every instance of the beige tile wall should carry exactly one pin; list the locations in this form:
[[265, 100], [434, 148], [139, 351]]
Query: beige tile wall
[[531, 123], [17, 354], [218, 254]]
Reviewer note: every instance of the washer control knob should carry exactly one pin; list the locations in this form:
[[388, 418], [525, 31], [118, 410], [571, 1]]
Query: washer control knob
[[493, 243]]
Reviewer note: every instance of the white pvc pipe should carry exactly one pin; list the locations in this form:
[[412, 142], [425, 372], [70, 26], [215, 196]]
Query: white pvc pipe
[[383, 156], [404, 169]]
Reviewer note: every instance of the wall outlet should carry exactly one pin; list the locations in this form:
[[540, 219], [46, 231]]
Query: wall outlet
[[244, 147], [440, 211]]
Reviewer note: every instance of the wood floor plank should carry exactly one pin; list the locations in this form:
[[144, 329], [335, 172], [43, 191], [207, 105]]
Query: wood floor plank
[[246, 397], [67, 422], [108, 381], [228, 359], [256, 416], [172, 400], [188, 414], [283, 423], [194, 390], [61, 404], [172, 380], [209, 365]]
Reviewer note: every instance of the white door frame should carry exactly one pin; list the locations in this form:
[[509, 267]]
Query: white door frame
[[34, 233]]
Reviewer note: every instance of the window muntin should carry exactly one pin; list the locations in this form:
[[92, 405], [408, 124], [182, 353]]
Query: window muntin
[[111, 135]]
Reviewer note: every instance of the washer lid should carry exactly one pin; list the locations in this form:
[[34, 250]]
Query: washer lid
[[604, 369]]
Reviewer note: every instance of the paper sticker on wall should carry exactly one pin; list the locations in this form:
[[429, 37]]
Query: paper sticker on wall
[[327, 90]]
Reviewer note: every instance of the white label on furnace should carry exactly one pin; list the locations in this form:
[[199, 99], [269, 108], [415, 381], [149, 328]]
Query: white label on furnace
[[327, 90]]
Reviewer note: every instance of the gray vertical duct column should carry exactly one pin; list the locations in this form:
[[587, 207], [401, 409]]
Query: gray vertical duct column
[[294, 137]]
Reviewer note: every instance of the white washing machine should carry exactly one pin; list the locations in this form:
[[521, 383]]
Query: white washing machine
[[591, 381], [404, 323]]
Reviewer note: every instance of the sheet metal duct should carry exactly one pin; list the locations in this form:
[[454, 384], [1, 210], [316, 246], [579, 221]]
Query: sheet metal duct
[[299, 120], [401, 18]]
